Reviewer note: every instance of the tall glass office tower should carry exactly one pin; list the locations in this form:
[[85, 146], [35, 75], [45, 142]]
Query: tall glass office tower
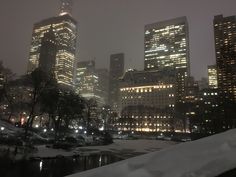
[[65, 30], [225, 48], [167, 47]]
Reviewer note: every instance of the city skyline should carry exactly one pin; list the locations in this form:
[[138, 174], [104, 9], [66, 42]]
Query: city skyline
[[85, 84], [119, 25]]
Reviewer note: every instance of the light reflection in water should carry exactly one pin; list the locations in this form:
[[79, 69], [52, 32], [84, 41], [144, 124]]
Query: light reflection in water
[[100, 161], [41, 165]]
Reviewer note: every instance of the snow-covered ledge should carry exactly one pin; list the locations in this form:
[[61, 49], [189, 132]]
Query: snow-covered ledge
[[207, 157]]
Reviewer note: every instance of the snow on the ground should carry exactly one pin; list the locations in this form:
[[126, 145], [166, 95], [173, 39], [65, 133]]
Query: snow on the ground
[[207, 157], [12, 131], [119, 146], [8, 128]]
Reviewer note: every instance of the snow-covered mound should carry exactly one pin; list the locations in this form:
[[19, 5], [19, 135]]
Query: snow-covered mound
[[13, 131], [8, 128], [207, 157]]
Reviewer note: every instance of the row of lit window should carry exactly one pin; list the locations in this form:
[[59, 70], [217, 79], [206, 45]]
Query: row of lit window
[[145, 129], [213, 93], [150, 117], [146, 124], [145, 88]]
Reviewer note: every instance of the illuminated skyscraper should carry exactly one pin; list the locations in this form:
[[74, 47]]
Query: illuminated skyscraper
[[225, 47], [212, 77], [65, 31], [86, 79], [87, 82], [103, 80], [167, 46]]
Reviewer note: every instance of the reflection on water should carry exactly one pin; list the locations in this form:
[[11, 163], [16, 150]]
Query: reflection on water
[[40, 165], [54, 167]]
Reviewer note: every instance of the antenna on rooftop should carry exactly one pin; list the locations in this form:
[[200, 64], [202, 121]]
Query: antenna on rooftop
[[66, 7]]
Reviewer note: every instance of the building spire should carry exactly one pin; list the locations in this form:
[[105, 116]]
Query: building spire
[[66, 7]]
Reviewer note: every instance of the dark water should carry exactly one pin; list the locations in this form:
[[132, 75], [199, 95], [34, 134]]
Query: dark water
[[53, 167]]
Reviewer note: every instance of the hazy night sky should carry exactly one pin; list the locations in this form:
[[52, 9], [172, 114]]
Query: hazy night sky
[[112, 26]]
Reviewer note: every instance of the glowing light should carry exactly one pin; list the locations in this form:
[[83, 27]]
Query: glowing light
[[101, 128], [40, 165]]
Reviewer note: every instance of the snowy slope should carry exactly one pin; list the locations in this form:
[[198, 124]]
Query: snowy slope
[[207, 157], [118, 147], [9, 128], [140, 145]]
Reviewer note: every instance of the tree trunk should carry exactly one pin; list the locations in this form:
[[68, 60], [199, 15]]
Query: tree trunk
[[9, 117]]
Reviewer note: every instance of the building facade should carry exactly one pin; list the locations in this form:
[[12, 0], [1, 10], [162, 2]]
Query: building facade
[[48, 50], [87, 82], [147, 101], [65, 31], [116, 71], [103, 82], [167, 46], [212, 77], [225, 48], [210, 122]]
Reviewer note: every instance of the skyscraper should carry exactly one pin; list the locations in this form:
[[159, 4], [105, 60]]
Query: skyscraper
[[225, 48], [116, 71], [87, 82], [86, 79], [65, 31], [212, 77], [167, 46], [103, 80]]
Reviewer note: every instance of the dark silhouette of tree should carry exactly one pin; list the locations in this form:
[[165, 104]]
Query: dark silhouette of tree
[[62, 107], [5, 95], [39, 81], [71, 107], [180, 114], [49, 102], [90, 113]]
